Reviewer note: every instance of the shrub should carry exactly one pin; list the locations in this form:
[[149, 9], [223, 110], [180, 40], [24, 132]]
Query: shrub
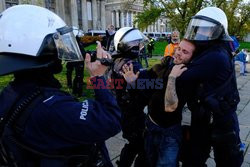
[[91, 39]]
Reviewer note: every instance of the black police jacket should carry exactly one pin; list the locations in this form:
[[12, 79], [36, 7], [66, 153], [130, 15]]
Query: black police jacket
[[207, 72], [56, 123]]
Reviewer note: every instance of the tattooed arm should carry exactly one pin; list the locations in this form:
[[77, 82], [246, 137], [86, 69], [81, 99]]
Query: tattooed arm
[[171, 99]]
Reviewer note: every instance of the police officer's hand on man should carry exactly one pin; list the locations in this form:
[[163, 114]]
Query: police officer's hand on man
[[177, 70]]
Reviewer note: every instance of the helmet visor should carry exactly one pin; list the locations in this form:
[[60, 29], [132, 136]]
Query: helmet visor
[[66, 44], [203, 30], [139, 43], [136, 45]]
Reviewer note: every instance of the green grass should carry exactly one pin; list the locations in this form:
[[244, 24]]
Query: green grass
[[245, 45], [160, 48], [91, 47]]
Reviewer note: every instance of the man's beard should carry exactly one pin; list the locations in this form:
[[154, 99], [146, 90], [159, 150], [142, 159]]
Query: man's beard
[[174, 41]]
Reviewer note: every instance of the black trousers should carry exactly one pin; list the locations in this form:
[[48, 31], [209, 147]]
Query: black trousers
[[223, 137], [133, 152], [77, 85]]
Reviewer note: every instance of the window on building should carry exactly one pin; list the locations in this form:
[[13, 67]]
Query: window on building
[[79, 11], [129, 19], [125, 19], [10, 3], [89, 10], [51, 5]]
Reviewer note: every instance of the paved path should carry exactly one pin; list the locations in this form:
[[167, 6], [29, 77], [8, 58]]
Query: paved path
[[116, 143]]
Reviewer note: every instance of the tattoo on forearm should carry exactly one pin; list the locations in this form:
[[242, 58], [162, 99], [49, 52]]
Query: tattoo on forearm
[[171, 98]]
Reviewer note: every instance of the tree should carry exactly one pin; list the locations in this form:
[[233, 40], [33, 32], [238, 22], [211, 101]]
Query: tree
[[148, 17], [179, 13], [238, 16], [241, 21]]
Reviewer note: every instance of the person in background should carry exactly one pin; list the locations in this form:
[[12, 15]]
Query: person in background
[[168, 38], [234, 45], [42, 125], [77, 66], [175, 40], [110, 33], [77, 84], [247, 51], [240, 59], [150, 47]]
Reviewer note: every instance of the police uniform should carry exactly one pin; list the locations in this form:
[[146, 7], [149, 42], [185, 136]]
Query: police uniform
[[41, 125], [128, 43], [133, 117], [214, 121], [209, 86], [150, 47], [56, 124]]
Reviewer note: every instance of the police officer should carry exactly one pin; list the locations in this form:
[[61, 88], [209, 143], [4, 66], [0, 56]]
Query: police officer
[[209, 87], [109, 39], [151, 46], [77, 86], [40, 124], [128, 41]]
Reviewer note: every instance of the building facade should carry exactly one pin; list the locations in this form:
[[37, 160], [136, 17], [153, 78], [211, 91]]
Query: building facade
[[92, 14]]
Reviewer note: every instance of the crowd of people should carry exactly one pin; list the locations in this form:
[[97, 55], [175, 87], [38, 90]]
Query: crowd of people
[[41, 125]]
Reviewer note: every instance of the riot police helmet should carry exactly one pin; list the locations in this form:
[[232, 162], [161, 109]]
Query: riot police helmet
[[208, 24], [33, 37], [129, 41]]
